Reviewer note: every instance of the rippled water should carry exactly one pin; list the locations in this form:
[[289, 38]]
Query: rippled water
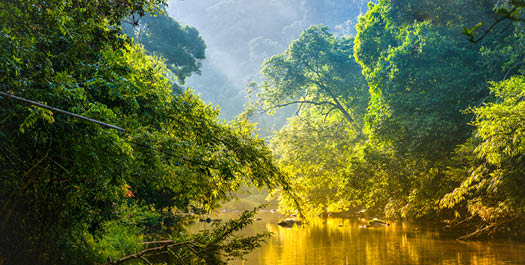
[[341, 241]]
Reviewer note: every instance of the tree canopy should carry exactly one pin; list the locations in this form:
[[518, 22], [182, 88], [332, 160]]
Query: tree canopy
[[181, 46], [317, 69], [73, 192], [440, 117]]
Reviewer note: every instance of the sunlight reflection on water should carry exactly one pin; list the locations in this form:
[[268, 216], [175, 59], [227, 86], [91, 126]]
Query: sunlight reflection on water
[[338, 241]]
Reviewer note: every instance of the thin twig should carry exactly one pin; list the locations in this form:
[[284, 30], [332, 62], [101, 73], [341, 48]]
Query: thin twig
[[158, 242], [145, 260], [177, 256]]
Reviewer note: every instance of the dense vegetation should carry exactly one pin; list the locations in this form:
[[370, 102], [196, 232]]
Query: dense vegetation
[[411, 118], [73, 192], [419, 115]]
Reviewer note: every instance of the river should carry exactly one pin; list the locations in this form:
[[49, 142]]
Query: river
[[340, 241]]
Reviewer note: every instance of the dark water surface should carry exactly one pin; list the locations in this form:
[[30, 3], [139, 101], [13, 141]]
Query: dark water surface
[[341, 241]]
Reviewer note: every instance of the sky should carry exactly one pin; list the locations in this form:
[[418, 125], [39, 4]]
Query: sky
[[241, 34]]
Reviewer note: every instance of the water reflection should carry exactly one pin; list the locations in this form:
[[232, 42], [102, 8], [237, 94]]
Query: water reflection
[[338, 241]]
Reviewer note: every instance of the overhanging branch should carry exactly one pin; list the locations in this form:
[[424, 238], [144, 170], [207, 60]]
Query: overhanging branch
[[74, 115], [318, 103]]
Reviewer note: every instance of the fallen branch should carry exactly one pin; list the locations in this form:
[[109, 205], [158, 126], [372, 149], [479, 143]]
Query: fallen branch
[[168, 244], [487, 227]]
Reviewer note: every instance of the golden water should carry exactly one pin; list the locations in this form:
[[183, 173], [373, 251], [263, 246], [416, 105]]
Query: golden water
[[338, 241]]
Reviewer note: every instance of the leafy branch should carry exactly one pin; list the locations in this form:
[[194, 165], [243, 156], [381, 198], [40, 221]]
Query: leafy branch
[[207, 246], [513, 14]]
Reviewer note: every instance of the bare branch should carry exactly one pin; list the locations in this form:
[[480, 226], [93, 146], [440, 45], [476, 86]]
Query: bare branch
[[177, 256], [145, 260], [34, 103], [326, 115], [331, 94], [508, 16], [318, 103]]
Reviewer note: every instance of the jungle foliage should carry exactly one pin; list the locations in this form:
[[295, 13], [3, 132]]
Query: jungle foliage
[[429, 126], [161, 35], [73, 192]]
